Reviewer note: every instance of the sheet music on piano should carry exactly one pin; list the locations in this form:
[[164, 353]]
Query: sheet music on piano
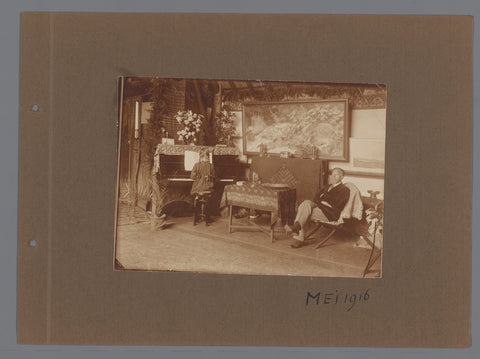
[[191, 157]]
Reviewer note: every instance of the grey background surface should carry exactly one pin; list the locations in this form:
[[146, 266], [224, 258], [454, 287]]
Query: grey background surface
[[9, 95]]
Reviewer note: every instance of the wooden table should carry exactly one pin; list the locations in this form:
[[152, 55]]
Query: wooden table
[[280, 202]]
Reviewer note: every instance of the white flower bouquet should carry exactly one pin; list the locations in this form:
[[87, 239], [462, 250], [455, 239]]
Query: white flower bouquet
[[191, 122]]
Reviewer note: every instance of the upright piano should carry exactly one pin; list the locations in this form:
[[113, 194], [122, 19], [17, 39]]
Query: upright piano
[[171, 183]]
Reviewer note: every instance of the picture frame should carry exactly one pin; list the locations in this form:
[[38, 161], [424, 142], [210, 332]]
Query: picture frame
[[296, 126], [367, 155]]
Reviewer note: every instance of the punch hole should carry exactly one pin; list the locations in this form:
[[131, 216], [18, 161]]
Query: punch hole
[[33, 243], [35, 108]]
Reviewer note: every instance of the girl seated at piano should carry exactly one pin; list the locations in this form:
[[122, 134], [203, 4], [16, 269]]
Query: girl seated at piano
[[203, 175]]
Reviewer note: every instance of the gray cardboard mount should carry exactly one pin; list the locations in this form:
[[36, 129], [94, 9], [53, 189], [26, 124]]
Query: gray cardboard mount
[[68, 292]]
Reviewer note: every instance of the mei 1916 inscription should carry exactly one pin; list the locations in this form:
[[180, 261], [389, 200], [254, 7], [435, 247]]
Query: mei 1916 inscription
[[337, 297]]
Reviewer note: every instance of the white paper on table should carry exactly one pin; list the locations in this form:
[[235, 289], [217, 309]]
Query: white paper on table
[[191, 157]]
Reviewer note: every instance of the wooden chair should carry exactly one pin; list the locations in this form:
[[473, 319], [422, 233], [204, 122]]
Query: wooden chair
[[354, 221]]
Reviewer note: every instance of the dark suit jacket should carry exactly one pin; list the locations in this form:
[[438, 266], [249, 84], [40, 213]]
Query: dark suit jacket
[[337, 197]]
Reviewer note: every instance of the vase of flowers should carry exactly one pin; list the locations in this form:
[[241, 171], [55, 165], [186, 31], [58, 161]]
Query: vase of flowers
[[192, 123]]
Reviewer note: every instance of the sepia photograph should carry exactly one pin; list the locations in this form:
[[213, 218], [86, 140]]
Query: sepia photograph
[[250, 177]]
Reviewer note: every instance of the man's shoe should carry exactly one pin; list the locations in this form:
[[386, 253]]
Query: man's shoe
[[297, 244]]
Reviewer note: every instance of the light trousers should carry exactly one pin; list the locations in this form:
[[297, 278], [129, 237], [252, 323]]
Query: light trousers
[[308, 210]]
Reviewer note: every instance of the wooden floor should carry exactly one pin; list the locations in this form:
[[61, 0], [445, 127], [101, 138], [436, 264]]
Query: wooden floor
[[184, 247]]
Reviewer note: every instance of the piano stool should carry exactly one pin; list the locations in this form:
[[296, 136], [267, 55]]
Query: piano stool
[[200, 207]]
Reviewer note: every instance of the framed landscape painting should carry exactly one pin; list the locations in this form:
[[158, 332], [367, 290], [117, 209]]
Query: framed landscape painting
[[367, 155], [295, 127]]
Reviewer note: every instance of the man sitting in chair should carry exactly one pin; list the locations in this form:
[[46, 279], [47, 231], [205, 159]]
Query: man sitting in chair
[[326, 207]]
